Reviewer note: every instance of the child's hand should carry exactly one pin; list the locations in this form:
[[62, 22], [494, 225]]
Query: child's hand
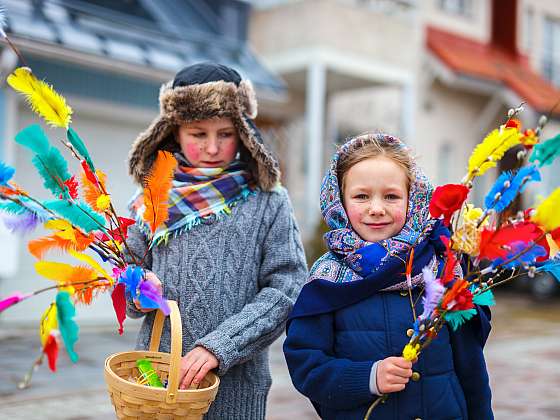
[[195, 365], [152, 278], [393, 374]]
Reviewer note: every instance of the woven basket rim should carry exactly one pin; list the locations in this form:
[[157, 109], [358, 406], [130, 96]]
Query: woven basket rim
[[157, 393]]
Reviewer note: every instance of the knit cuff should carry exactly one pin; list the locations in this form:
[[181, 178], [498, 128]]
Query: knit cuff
[[373, 380], [356, 381], [220, 346]]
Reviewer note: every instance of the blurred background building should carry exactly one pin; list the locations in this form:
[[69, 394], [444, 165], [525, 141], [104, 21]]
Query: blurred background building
[[438, 73]]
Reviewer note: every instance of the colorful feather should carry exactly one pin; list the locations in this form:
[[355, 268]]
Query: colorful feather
[[131, 279], [12, 300], [51, 350], [552, 267], [508, 186], [25, 206], [150, 297], [92, 263], [156, 191], [64, 273], [49, 323], [66, 324], [457, 318], [48, 160], [80, 147], [524, 254], [79, 214], [546, 152], [492, 149], [41, 97], [547, 215], [38, 247], [494, 244], [91, 187], [119, 304], [6, 173], [484, 299], [22, 224], [433, 292]]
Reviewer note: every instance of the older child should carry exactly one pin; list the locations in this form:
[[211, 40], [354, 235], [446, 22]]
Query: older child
[[349, 325], [231, 254]]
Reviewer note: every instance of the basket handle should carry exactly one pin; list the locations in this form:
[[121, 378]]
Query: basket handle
[[176, 347]]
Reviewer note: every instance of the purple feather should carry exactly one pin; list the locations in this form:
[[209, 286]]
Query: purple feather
[[433, 292], [23, 223], [151, 297]]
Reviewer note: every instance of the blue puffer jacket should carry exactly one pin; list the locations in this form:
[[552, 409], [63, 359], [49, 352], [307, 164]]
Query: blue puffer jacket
[[330, 357]]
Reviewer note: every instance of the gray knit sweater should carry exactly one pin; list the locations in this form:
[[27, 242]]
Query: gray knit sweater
[[235, 280]]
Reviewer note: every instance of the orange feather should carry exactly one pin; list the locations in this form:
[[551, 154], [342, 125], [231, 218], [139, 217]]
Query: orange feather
[[92, 191], [156, 190], [38, 247]]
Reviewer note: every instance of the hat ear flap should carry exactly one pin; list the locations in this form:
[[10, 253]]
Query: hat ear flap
[[248, 98]]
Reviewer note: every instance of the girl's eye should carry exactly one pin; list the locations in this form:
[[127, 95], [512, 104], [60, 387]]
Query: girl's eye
[[361, 196], [199, 135], [226, 134], [392, 196]]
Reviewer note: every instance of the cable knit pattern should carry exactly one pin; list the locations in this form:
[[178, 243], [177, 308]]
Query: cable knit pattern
[[235, 280]]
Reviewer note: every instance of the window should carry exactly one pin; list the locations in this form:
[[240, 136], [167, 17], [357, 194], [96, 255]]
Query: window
[[457, 7], [551, 50], [528, 28]]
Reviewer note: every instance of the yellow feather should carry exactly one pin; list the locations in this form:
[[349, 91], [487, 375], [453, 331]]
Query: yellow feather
[[547, 215], [42, 98], [64, 273], [491, 150], [92, 263], [48, 323]]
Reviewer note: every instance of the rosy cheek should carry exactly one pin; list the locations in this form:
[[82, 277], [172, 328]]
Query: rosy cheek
[[399, 217], [192, 152], [354, 214], [229, 150]]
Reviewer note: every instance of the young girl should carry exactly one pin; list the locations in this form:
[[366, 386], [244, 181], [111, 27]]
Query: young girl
[[231, 254], [352, 319]]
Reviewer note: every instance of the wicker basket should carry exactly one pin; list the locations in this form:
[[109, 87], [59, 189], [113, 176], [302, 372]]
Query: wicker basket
[[134, 401]]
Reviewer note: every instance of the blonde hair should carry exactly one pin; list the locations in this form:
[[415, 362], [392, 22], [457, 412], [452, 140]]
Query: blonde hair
[[369, 146]]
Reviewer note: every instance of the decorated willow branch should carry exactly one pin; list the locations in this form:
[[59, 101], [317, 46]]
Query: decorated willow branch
[[80, 217], [491, 248]]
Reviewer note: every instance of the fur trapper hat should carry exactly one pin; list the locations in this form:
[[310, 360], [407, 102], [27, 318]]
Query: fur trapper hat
[[200, 92]]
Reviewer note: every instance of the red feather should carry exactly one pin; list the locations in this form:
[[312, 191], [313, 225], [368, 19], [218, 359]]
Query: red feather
[[119, 303], [51, 350], [494, 244]]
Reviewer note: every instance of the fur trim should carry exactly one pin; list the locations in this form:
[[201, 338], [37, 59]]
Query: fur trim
[[199, 102]]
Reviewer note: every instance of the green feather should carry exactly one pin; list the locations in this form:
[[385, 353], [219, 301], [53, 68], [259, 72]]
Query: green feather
[[65, 312], [80, 147], [34, 139], [485, 299], [79, 214], [27, 206], [48, 160], [547, 151], [457, 318], [53, 168]]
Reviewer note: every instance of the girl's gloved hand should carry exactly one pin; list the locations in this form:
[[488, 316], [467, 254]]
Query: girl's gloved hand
[[152, 278], [195, 365], [393, 373]]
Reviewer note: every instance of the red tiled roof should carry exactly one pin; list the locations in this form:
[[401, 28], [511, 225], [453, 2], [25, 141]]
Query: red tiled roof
[[485, 61]]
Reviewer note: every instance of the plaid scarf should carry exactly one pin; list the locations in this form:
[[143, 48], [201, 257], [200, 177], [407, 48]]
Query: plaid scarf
[[197, 194]]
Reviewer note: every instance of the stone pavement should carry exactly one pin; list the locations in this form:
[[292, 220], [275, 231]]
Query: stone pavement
[[523, 356]]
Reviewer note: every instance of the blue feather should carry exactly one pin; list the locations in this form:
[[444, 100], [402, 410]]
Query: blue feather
[[6, 173], [79, 214], [552, 267], [131, 279], [508, 185], [528, 258]]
